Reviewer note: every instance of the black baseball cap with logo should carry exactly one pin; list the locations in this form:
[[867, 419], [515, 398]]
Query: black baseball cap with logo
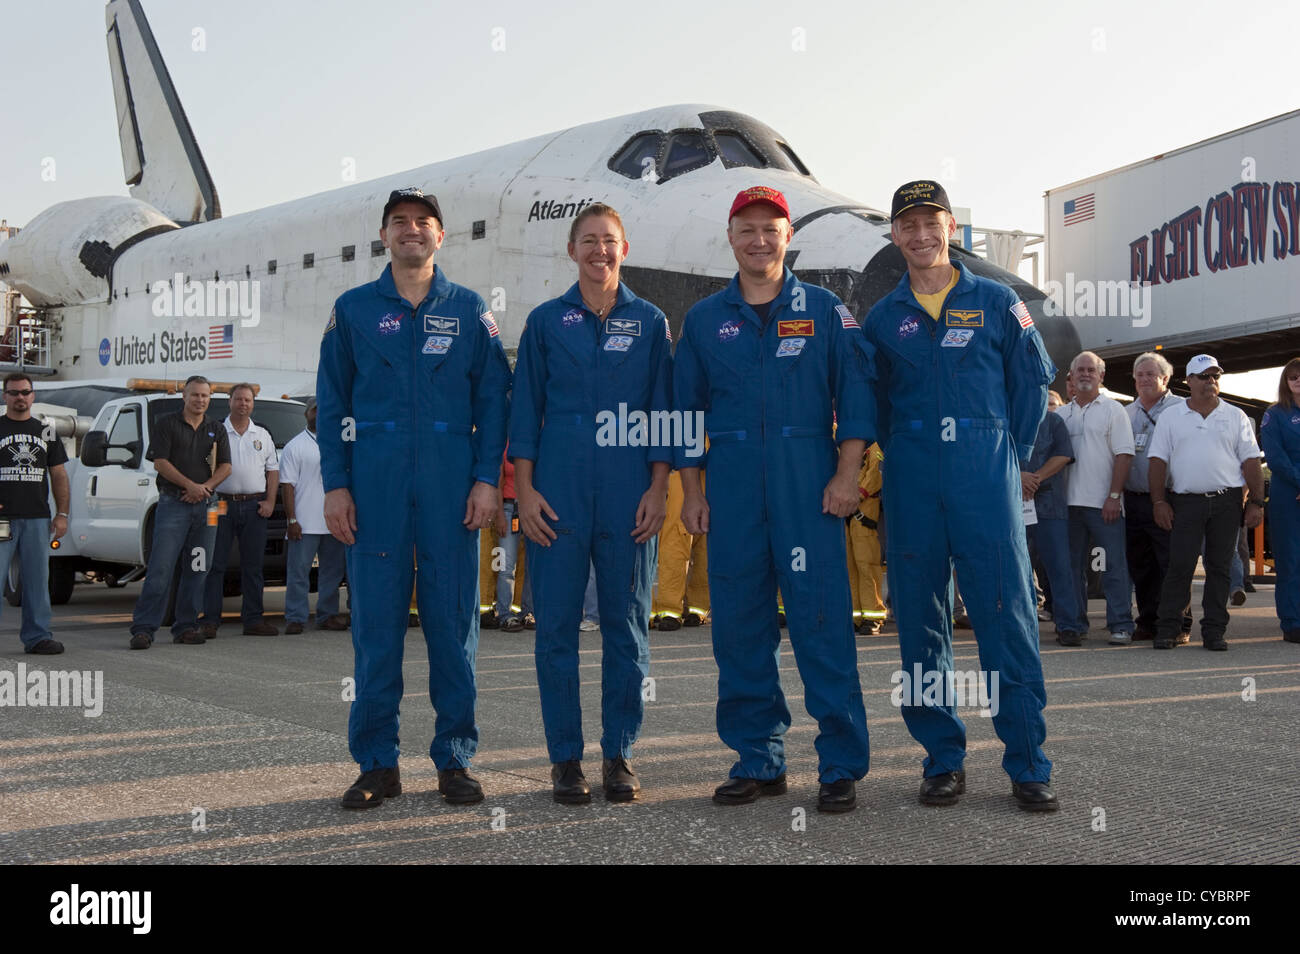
[[921, 192], [398, 196]]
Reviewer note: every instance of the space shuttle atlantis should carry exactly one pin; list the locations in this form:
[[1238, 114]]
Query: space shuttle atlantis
[[160, 285]]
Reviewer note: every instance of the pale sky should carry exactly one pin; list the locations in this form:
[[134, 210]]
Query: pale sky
[[998, 100]]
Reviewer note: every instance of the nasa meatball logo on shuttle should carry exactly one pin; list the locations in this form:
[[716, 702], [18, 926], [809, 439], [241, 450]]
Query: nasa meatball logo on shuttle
[[105, 352]]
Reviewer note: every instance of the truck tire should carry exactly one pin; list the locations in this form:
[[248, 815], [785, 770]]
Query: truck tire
[[62, 580]]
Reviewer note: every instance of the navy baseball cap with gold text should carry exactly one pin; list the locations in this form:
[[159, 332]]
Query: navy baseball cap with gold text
[[398, 196], [921, 192]]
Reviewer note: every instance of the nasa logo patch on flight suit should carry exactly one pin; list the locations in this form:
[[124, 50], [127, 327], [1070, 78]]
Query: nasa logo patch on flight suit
[[570, 318], [436, 344], [908, 327], [728, 331], [795, 327], [624, 326], [790, 347], [964, 319], [436, 325], [618, 342], [390, 324], [957, 338]]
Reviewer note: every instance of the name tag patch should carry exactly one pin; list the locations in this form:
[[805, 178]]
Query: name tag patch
[[957, 338], [624, 326], [790, 347], [436, 344], [964, 319], [434, 325], [795, 327], [618, 342]]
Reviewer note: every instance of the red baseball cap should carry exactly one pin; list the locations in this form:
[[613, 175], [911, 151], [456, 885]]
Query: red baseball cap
[[747, 197]]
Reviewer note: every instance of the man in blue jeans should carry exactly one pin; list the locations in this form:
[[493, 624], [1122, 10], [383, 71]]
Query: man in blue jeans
[[192, 455], [28, 453], [304, 508], [1049, 536], [1102, 437]]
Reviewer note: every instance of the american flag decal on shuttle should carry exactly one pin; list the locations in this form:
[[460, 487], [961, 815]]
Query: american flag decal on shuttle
[[221, 341]]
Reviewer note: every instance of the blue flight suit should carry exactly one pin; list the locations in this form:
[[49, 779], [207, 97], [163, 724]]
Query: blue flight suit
[[769, 396], [960, 403], [1279, 436], [575, 379], [413, 404]]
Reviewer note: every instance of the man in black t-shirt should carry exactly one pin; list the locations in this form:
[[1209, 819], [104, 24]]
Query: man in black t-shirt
[[192, 455], [31, 459]]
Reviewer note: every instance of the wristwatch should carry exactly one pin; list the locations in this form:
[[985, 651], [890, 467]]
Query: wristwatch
[[1113, 495], [293, 519], [60, 514]]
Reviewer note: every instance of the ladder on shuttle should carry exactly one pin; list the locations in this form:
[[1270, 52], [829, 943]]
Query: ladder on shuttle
[[25, 345]]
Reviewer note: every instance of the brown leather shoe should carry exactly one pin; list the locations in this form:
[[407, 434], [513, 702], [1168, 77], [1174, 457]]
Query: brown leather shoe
[[293, 629], [339, 622], [191, 636], [209, 630], [260, 629]]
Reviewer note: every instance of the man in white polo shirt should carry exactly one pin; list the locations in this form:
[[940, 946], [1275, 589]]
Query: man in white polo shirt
[[1103, 452], [304, 508], [249, 495], [1208, 449]]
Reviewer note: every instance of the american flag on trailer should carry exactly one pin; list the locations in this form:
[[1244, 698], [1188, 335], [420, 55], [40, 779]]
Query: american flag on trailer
[[221, 341], [1080, 208]]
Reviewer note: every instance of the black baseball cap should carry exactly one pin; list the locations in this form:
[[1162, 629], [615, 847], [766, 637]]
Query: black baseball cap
[[411, 195], [921, 192]]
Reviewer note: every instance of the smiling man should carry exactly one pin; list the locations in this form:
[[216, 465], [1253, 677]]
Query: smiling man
[[962, 387], [769, 360], [413, 387]]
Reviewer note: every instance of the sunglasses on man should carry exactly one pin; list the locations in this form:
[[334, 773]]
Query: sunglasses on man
[[12, 393]]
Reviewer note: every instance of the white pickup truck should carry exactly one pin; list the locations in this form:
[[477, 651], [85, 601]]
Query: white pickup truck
[[114, 493]]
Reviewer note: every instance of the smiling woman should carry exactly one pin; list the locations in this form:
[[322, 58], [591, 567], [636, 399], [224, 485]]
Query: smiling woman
[[584, 499]]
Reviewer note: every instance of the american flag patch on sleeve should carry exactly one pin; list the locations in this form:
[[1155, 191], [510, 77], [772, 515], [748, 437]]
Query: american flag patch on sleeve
[[668, 332], [1021, 314], [489, 323], [846, 317]]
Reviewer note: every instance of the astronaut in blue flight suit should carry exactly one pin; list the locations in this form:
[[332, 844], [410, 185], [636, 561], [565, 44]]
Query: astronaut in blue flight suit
[[592, 493], [769, 360], [1279, 436], [413, 390], [962, 386]]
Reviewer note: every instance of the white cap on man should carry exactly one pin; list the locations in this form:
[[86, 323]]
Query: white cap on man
[[1202, 363]]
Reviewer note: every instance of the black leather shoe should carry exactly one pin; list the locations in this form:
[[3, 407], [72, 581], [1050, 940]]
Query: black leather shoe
[[46, 647], [943, 789], [669, 624], [568, 784], [692, 619], [1035, 796], [1292, 635], [1216, 643], [1070, 639], [838, 796], [458, 787], [372, 787], [742, 791], [1163, 642], [190, 637], [620, 782]]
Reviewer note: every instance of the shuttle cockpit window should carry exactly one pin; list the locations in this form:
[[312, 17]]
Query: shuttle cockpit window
[[687, 150], [795, 161], [640, 153], [735, 151]]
